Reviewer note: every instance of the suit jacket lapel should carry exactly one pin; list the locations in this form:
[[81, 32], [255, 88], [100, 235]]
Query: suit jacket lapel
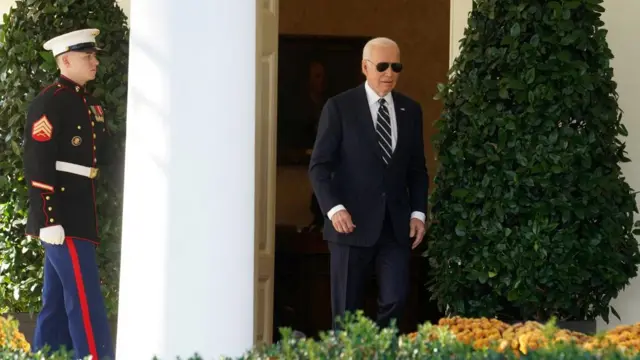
[[366, 122]]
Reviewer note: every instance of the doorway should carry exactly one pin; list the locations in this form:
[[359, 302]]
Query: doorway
[[319, 52]]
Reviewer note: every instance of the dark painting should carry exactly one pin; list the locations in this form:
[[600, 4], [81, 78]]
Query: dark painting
[[310, 70]]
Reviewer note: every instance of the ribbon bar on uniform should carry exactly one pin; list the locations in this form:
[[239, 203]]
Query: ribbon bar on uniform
[[81, 170]]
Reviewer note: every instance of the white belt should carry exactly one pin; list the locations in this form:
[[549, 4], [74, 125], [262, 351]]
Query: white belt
[[81, 170]]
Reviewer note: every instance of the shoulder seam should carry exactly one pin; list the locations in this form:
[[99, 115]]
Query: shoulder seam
[[60, 89], [47, 88]]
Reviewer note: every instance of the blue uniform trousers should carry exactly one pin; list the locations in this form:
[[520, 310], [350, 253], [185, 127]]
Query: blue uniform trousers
[[73, 313]]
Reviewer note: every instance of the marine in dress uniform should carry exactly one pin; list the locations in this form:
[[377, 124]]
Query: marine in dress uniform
[[65, 137]]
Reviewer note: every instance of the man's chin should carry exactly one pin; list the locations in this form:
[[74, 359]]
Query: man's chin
[[387, 86]]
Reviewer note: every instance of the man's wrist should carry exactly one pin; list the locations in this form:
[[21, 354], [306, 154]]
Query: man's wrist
[[334, 210], [418, 215]]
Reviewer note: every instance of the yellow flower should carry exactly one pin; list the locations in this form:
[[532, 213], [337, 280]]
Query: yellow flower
[[10, 336]]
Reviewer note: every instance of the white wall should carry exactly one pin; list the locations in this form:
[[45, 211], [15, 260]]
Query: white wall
[[459, 12], [125, 5], [5, 5], [621, 21]]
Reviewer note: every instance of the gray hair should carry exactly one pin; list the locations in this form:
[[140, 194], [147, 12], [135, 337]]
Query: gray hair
[[379, 41]]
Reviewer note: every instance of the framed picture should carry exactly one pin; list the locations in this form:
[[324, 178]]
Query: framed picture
[[311, 69]]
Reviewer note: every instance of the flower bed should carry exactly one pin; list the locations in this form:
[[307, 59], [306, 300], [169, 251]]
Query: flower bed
[[457, 338], [451, 338], [11, 339], [522, 338]]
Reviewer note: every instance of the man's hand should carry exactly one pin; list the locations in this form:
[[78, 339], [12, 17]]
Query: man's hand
[[416, 227], [342, 222]]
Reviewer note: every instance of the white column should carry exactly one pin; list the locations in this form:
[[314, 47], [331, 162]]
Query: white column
[[187, 275]]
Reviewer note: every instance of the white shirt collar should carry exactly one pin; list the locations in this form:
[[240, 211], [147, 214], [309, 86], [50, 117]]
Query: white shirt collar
[[372, 97]]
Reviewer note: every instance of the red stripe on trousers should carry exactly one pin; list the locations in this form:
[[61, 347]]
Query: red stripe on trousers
[[84, 306]]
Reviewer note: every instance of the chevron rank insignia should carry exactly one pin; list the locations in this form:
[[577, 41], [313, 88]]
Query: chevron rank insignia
[[42, 130], [42, 186]]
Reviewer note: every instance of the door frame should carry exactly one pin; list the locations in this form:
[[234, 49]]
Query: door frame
[[266, 101]]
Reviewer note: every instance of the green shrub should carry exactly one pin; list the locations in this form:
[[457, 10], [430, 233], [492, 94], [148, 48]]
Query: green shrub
[[26, 68], [532, 216]]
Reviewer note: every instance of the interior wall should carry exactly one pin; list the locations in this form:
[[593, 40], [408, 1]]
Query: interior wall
[[421, 29]]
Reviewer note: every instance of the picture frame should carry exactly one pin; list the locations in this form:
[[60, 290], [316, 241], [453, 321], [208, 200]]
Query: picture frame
[[311, 69]]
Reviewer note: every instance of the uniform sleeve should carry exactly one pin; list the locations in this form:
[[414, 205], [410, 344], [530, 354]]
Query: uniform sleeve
[[40, 153]]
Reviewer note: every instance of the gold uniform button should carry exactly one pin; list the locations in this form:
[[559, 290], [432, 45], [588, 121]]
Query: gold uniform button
[[94, 148], [52, 220], [50, 208], [79, 127], [47, 198], [94, 135], [93, 123], [61, 189]]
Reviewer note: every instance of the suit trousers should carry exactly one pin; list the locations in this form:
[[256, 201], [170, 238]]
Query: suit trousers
[[351, 270], [73, 312]]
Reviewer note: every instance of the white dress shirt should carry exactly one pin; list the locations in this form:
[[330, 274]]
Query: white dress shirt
[[374, 105]]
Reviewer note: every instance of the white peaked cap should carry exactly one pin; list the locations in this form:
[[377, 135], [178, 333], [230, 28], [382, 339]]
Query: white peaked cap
[[79, 40]]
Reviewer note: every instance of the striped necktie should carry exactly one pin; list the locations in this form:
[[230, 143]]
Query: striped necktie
[[383, 128]]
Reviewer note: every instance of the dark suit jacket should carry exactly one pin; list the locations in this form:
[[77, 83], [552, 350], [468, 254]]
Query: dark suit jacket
[[346, 167]]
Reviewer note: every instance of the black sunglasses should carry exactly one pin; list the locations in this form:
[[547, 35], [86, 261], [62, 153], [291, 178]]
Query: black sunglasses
[[383, 66]]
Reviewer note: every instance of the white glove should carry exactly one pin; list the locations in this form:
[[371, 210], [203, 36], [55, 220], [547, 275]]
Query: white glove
[[53, 235]]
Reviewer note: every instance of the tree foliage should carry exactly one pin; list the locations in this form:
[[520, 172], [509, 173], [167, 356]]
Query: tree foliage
[[532, 215]]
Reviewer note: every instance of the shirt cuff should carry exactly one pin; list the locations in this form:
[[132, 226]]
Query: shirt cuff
[[418, 215], [334, 210]]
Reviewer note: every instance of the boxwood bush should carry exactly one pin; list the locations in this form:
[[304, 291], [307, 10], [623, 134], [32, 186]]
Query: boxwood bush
[[532, 215]]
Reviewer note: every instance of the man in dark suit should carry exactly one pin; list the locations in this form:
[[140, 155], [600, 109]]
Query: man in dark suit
[[369, 174]]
